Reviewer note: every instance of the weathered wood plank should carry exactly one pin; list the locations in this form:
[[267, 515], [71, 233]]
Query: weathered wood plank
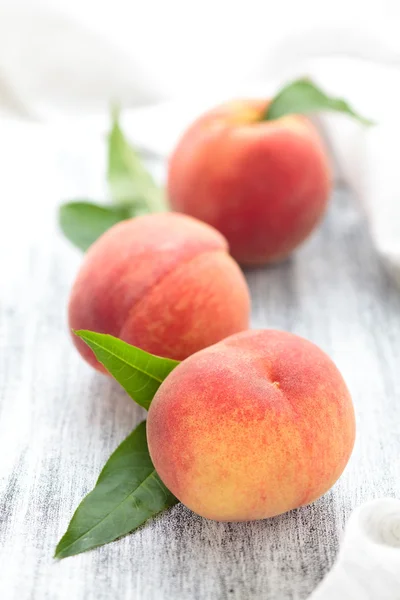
[[59, 421]]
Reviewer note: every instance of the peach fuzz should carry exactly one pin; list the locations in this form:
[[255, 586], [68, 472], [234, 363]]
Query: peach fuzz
[[165, 283], [251, 427], [263, 184]]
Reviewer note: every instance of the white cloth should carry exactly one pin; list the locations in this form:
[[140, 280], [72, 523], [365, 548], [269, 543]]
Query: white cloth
[[74, 56], [371, 544]]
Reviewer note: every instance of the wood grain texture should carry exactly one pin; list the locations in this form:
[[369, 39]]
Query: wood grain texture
[[60, 420]]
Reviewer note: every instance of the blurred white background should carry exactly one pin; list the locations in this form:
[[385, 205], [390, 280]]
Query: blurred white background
[[73, 56]]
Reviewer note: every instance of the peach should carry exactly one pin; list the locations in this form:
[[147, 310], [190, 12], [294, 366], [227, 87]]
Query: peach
[[263, 184], [251, 427], [165, 283]]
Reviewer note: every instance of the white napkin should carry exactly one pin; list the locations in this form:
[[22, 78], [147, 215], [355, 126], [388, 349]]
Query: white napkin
[[371, 544]]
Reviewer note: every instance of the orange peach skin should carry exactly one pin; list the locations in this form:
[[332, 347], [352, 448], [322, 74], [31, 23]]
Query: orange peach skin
[[251, 427], [263, 184], [165, 283]]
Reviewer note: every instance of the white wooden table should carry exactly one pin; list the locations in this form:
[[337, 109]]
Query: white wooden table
[[60, 420]]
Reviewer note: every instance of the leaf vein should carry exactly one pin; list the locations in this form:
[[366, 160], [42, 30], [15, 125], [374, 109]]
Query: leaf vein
[[110, 514]]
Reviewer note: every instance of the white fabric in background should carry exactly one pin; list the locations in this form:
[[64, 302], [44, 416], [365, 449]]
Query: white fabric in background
[[74, 56]]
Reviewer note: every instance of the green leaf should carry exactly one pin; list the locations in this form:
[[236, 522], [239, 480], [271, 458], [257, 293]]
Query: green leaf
[[130, 183], [127, 493], [303, 96], [83, 222], [139, 372]]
